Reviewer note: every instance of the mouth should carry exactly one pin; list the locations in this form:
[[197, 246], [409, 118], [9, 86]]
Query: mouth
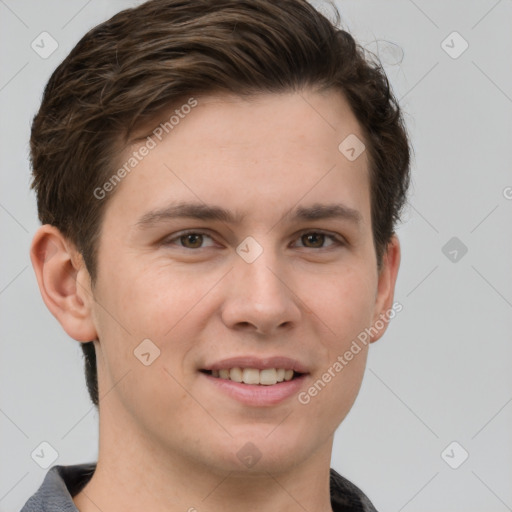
[[254, 376], [256, 381]]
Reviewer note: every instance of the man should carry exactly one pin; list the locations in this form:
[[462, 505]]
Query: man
[[218, 183]]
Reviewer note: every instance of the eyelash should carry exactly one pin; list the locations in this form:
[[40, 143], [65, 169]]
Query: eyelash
[[333, 237]]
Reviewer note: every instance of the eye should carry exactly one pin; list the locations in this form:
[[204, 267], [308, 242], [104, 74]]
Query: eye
[[189, 239], [311, 239], [317, 239]]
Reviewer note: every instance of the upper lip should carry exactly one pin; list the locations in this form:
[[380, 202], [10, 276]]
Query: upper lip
[[260, 363]]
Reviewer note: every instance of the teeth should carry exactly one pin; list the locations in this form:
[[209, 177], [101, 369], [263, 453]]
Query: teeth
[[251, 376], [236, 374], [267, 377]]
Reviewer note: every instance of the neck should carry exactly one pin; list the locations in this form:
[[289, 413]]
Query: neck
[[134, 474]]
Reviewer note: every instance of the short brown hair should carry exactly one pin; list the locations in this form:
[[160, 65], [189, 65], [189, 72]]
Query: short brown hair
[[129, 68]]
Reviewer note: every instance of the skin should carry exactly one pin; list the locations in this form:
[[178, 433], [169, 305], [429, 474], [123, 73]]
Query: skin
[[168, 438]]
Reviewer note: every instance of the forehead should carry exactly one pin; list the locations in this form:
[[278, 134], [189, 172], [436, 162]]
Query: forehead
[[260, 154]]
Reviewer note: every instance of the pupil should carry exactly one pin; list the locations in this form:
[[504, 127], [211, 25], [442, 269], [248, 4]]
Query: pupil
[[193, 237], [318, 236]]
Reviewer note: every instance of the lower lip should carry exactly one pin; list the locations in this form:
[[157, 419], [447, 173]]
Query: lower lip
[[258, 395]]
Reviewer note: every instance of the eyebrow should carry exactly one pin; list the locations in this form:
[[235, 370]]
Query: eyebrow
[[201, 211]]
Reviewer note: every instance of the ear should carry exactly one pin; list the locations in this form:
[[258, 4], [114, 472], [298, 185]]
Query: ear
[[386, 288], [64, 282]]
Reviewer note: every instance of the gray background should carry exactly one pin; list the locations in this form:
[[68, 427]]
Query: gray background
[[442, 371]]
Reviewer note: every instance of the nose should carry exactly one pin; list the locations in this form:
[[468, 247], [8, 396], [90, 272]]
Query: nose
[[260, 296]]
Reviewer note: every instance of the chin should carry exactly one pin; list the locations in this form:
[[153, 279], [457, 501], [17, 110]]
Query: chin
[[264, 449]]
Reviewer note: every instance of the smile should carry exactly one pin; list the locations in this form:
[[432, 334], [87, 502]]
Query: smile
[[254, 376]]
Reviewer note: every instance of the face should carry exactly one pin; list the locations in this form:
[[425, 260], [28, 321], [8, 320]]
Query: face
[[279, 280]]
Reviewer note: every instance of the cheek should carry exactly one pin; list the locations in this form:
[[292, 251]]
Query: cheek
[[150, 301], [344, 301], [345, 306]]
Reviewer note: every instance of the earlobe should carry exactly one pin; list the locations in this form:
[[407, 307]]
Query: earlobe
[[64, 282], [386, 288]]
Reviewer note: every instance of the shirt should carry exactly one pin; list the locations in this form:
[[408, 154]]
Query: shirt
[[61, 483]]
